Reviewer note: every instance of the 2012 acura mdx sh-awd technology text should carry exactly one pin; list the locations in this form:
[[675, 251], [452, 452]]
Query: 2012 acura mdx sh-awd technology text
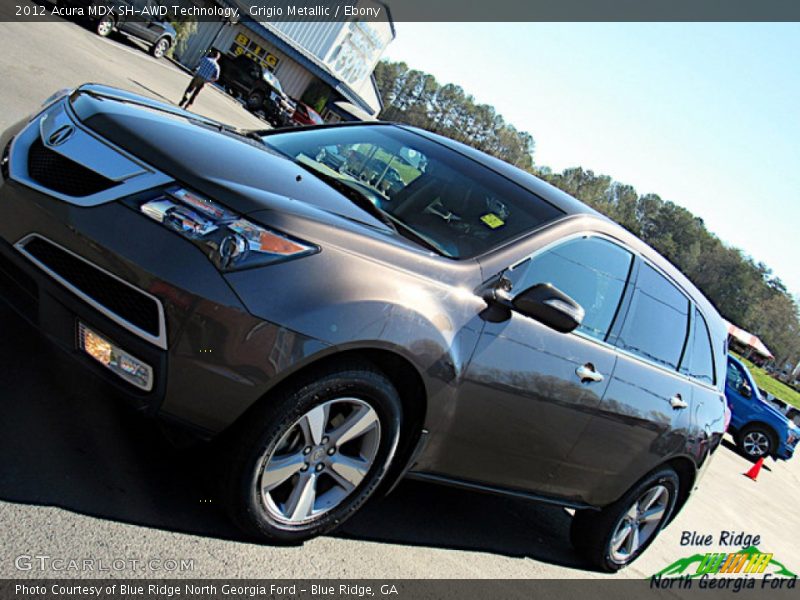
[[475, 327]]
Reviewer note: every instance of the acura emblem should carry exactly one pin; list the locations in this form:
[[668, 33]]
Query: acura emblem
[[60, 135]]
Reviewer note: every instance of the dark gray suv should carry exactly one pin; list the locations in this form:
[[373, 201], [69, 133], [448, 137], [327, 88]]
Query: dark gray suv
[[145, 20], [477, 327]]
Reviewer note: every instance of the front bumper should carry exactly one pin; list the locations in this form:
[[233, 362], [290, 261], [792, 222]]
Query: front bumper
[[216, 359], [786, 449]]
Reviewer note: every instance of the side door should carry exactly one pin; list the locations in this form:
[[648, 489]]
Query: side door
[[708, 403], [134, 22], [153, 24], [249, 73], [645, 413], [529, 391]]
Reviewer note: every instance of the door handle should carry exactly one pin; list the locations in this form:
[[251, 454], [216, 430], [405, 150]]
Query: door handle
[[588, 373], [677, 402]]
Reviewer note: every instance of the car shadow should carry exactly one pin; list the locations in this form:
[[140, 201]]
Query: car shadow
[[65, 441], [424, 514], [734, 448]]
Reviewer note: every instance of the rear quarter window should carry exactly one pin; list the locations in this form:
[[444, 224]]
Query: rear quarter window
[[698, 361]]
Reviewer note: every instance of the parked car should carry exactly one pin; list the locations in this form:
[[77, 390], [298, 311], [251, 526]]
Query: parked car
[[136, 18], [382, 176], [260, 88], [305, 115], [760, 429], [332, 157], [482, 329]]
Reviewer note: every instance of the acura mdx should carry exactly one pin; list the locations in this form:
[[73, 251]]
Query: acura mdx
[[476, 327]]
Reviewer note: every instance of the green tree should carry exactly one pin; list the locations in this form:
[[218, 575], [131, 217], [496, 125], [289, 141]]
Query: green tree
[[183, 31]]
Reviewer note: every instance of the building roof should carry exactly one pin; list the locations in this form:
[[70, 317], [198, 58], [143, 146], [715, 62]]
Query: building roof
[[351, 109], [748, 339], [311, 62]]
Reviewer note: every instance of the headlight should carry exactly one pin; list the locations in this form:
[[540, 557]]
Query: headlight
[[794, 434], [230, 241]]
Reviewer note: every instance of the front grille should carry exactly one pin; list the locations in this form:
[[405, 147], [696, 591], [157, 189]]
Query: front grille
[[124, 301], [58, 173]]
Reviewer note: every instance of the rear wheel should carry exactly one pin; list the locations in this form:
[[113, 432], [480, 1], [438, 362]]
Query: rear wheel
[[616, 536], [159, 49], [307, 461], [756, 441], [105, 26]]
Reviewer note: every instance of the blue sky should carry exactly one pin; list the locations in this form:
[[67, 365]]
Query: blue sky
[[705, 115]]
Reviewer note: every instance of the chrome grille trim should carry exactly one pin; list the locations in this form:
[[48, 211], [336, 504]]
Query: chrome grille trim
[[160, 340], [87, 149]]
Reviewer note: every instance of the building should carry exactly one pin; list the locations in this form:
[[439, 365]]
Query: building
[[327, 64], [748, 345]]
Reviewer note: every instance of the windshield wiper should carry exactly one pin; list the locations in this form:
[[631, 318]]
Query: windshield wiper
[[358, 198], [416, 237], [362, 201]]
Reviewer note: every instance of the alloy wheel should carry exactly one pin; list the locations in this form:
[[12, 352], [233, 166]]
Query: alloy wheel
[[756, 443], [161, 48], [639, 523], [320, 460], [105, 26]]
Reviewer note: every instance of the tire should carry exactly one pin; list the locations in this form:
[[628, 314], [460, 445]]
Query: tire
[[267, 492], [756, 441], [592, 532], [159, 49], [255, 101], [105, 26]]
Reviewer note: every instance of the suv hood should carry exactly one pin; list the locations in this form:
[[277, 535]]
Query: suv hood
[[770, 408], [207, 156]]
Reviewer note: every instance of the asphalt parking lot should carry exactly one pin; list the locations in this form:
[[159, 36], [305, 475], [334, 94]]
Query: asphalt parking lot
[[82, 477], [36, 59]]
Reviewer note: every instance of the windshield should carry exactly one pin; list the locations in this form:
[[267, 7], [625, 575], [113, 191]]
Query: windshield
[[448, 201]]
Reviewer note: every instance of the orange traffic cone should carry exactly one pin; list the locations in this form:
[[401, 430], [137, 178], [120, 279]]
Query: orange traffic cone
[[755, 469]]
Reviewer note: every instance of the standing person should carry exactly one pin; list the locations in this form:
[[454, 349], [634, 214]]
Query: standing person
[[206, 72]]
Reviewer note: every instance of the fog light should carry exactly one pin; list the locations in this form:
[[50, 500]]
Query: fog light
[[115, 359]]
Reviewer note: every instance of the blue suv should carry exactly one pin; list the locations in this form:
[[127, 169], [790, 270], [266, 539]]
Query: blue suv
[[760, 430]]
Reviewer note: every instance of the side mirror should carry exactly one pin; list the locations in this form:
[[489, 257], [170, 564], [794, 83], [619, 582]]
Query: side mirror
[[744, 390], [550, 306]]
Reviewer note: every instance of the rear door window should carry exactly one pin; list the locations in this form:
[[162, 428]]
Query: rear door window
[[656, 325]]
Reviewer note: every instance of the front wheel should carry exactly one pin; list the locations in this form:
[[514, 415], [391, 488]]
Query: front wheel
[[307, 461], [105, 26], [255, 101], [159, 49], [617, 535]]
